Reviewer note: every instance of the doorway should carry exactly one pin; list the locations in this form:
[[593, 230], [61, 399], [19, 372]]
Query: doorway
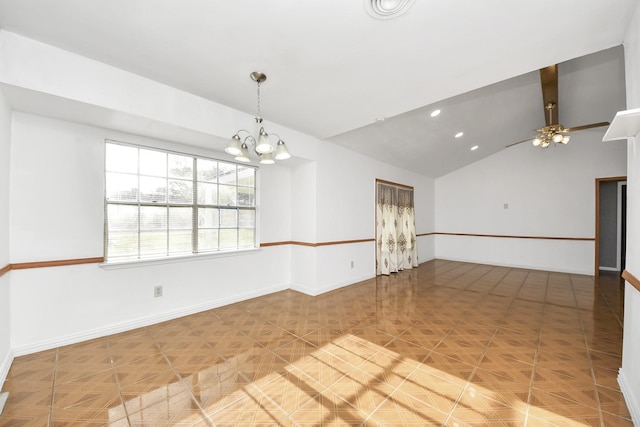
[[623, 225], [610, 238]]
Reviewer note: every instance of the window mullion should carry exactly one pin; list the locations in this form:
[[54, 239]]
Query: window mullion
[[218, 207], [139, 210], [194, 209], [150, 203], [166, 185]]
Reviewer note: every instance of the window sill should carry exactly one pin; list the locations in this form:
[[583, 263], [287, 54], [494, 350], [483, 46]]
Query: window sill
[[133, 263]]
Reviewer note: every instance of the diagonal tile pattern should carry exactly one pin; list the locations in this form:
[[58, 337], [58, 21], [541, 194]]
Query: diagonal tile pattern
[[447, 344]]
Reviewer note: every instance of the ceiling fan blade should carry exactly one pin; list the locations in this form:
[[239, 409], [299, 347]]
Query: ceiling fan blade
[[592, 125], [520, 142], [549, 82]]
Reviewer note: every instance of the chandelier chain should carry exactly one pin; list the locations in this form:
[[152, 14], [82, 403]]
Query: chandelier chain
[[259, 109]]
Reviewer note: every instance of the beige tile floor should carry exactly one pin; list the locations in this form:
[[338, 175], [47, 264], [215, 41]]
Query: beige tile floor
[[448, 343]]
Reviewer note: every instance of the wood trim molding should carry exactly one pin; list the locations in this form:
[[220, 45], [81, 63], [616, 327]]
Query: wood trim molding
[[56, 263], [395, 184], [266, 245], [596, 257], [612, 178], [633, 280], [344, 242], [4, 270], [504, 236], [66, 262], [314, 245]]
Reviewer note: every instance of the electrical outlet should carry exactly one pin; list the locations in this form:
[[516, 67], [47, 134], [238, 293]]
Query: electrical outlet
[[157, 291]]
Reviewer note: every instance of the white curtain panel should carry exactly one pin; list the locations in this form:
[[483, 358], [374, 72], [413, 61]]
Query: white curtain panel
[[395, 229], [407, 247], [386, 235]]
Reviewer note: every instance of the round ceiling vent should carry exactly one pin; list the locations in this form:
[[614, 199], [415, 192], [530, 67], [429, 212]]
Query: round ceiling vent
[[387, 9]]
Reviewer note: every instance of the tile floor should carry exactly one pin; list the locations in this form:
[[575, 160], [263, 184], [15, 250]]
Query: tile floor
[[446, 344]]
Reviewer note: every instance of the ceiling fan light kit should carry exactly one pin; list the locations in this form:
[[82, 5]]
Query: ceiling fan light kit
[[260, 140], [553, 131]]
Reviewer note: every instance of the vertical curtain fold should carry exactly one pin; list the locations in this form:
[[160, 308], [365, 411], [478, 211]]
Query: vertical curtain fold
[[407, 229], [395, 229]]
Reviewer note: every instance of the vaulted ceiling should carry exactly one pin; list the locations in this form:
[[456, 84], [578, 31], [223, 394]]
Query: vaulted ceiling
[[339, 74]]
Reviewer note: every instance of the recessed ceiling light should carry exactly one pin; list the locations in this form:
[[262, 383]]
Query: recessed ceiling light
[[459, 134], [434, 113], [475, 147], [380, 119]]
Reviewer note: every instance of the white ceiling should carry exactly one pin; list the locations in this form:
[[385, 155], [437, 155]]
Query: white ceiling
[[590, 90], [333, 69]]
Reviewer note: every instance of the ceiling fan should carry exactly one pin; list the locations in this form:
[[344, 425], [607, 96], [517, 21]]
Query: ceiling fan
[[553, 131]]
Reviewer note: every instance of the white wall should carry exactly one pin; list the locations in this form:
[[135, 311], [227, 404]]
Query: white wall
[[325, 194], [303, 226], [549, 193], [57, 181], [57, 190], [341, 205], [60, 164], [274, 202], [42, 70], [345, 210], [5, 301], [29, 64], [630, 372]]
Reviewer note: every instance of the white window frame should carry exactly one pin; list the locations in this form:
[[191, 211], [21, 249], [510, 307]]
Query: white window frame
[[137, 259]]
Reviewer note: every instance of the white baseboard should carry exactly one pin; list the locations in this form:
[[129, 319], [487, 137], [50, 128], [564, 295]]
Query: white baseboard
[[633, 404], [22, 350], [525, 267], [608, 268], [303, 289], [4, 367], [3, 399], [315, 292], [139, 323]]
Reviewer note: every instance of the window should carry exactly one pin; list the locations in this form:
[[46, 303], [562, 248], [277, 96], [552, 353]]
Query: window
[[161, 203]]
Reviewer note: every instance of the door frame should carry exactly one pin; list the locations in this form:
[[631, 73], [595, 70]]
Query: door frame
[[375, 232], [596, 266]]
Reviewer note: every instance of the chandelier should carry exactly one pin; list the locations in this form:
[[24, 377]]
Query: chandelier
[[551, 133], [261, 142]]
